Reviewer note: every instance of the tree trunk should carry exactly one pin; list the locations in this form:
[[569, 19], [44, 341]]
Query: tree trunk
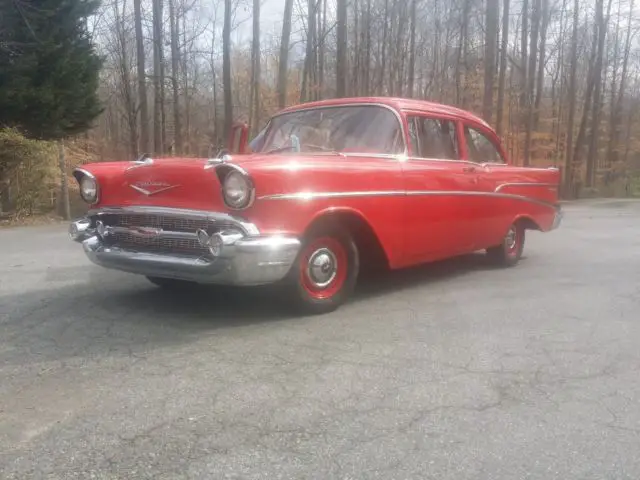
[[503, 66], [175, 70], [412, 49], [226, 71], [568, 164], [491, 39], [523, 47], [535, 25], [592, 156], [64, 183], [284, 54], [254, 107], [158, 140], [341, 60], [142, 83], [541, 63]]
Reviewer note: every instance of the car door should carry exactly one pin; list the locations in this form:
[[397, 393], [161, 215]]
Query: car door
[[492, 212], [437, 183]]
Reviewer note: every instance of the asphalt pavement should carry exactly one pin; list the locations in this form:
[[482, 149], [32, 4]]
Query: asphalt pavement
[[448, 371]]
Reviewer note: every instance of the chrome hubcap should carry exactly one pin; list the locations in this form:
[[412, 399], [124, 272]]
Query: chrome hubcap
[[322, 267], [511, 238]]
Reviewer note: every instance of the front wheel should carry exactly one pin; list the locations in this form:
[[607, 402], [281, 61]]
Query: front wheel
[[509, 252], [325, 272]]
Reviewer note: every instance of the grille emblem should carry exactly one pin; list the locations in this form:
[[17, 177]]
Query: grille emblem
[[151, 188], [146, 232]]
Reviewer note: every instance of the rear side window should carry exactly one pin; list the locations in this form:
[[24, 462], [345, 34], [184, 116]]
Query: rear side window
[[481, 149], [433, 138]]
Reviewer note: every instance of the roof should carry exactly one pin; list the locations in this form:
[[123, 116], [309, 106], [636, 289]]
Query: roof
[[396, 103]]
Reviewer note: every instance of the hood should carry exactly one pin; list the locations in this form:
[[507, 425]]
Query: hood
[[174, 182]]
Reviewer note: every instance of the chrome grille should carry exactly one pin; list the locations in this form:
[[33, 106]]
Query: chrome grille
[[167, 223], [158, 245], [170, 223]]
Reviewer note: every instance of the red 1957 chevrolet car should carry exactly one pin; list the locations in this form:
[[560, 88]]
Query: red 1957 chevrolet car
[[325, 189]]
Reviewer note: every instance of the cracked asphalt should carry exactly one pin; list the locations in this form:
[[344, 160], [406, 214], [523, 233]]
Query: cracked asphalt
[[448, 371]]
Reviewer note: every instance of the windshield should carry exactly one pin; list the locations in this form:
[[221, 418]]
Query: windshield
[[345, 129]]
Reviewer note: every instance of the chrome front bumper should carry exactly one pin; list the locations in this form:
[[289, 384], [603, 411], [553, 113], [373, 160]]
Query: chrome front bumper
[[240, 260]]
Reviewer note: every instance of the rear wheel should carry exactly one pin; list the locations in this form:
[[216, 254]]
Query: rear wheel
[[325, 272], [509, 252], [171, 283]]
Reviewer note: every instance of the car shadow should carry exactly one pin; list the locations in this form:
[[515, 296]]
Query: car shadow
[[112, 314], [390, 281]]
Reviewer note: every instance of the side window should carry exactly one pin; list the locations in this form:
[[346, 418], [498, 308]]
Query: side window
[[433, 138], [481, 149]]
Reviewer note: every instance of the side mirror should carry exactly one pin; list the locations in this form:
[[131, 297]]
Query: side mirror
[[238, 139]]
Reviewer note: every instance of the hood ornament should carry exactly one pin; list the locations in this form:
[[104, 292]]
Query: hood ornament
[[151, 188], [141, 161]]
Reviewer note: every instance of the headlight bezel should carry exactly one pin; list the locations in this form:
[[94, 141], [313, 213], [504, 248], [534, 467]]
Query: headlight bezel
[[235, 173], [83, 176]]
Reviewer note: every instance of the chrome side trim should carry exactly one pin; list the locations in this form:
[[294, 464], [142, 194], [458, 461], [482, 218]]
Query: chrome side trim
[[308, 196], [516, 184], [247, 227]]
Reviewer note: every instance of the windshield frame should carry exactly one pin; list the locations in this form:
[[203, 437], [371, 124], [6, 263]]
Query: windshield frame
[[404, 149]]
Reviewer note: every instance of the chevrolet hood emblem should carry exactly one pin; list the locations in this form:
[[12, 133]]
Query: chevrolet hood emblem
[[151, 188]]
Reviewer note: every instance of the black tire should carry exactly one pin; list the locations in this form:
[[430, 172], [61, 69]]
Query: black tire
[[171, 283], [509, 252], [302, 292]]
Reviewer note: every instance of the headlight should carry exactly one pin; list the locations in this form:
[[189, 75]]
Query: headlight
[[237, 190], [88, 189]]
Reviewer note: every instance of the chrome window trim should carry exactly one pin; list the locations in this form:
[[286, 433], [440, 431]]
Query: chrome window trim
[[355, 104], [247, 227], [308, 196]]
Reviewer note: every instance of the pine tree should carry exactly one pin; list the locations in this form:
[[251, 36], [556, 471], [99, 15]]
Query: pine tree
[[49, 70]]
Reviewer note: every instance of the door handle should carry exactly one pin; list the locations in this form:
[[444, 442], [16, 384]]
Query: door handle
[[470, 169]]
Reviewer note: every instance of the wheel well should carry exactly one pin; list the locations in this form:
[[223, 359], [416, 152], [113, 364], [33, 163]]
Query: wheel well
[[528, 223], [372, 254]]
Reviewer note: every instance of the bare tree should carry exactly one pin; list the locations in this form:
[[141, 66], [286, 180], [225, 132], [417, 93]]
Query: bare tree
[[284, 54], [491, 40], [226, 69], [254, 108], [341, 56], [142, 82], [503, 66], [175, 72]]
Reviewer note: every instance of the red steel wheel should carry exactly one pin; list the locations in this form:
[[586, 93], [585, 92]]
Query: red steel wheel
[[509, 252], [323, 267], [326, 271]]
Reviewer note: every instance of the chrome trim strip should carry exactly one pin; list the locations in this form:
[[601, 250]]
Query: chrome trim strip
[[149, 193], [247, 227], [158, 233], [307, 196], [357, 104], [516, 184]]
